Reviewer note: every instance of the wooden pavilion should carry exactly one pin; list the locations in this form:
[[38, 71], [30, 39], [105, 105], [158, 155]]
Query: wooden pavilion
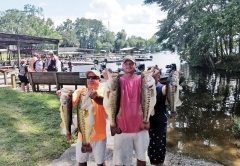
[[19, 40]]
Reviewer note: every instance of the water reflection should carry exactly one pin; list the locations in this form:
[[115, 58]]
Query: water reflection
[[203, 127]]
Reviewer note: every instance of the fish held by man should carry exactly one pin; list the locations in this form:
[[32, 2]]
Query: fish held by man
[[173, 88], [111, 100], [66, 111], [148, 97], [85, 118]]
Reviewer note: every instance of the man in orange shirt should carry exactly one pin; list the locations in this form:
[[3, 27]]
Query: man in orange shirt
[[98, 137]]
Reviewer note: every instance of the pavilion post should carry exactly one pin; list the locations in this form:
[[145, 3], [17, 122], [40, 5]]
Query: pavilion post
[[19, 56]]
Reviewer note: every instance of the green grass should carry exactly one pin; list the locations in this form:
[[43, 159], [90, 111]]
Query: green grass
[[29, 128]]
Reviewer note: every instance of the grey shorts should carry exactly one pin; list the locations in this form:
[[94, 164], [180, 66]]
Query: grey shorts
[[126, 143], [98, 151]]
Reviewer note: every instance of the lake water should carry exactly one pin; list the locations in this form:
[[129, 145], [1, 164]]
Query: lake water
[[160, 59], [203, 126]]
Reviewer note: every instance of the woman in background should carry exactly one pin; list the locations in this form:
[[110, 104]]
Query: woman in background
[[158, 124]]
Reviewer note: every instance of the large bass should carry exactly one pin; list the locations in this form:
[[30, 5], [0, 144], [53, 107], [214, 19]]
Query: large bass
[[148, 97], [85, 118], [173, 88], [111, 100], [66, 111]]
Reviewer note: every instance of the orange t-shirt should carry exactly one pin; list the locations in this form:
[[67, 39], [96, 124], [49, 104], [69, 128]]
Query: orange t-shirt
[[99, 118]]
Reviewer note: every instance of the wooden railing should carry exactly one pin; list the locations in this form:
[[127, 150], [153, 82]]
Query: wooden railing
[[56, 78]]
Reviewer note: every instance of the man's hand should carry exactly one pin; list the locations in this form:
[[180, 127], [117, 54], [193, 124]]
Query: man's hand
[[93, 94]]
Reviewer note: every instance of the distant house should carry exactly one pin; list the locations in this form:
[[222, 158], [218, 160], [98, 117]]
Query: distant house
[[68, 52], [68, 49]]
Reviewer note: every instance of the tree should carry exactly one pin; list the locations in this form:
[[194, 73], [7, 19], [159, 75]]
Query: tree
[[88, 31], [107, 40], [27, 22], [120, 40], [68, 32], [203, 31]]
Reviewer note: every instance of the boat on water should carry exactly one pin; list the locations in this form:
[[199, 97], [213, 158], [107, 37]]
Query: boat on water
[[75, 63], [113, 59], [143, 58]]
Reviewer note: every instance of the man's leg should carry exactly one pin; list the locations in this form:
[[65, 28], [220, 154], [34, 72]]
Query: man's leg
[[99, 148], [23, 86], [81, 158], [141, 142]]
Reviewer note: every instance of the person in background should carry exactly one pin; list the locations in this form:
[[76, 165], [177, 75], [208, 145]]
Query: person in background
[[70, 66], [129, 119], [32, 60], [39, 64], [22, 75], [141, 67], [158, 124], [99, 136], [47, 61], [51, 62], [59, 64]]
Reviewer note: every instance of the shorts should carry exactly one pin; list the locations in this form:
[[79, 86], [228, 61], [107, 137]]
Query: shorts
[[126, 143], [23, 79], [98, 151]]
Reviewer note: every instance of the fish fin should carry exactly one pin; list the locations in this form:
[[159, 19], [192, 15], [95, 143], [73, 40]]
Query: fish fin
[[178, 103], [153, 112], [180, 87]]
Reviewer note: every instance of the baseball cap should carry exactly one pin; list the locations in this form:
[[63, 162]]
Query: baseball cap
[[128, 57], [50, 52], [95, 72]]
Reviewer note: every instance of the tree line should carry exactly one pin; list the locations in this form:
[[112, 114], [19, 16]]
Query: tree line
[[204, 31], [82, 33]]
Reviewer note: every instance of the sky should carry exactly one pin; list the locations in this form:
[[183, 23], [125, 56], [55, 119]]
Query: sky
[[132, 15]]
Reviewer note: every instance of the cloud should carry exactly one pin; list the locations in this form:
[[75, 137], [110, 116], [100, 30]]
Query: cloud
[[42, 4], [138, 20]]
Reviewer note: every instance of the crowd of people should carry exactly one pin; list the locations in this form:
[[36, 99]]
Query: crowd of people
[[133, 139], [38, 63]]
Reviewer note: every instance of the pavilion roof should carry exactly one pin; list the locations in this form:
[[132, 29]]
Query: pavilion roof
[[13, 39]]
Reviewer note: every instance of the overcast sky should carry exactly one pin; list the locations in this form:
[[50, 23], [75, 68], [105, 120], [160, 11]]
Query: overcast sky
[[132, 15]]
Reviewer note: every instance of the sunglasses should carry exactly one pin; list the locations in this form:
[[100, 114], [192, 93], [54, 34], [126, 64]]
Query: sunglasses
[[93, 77]]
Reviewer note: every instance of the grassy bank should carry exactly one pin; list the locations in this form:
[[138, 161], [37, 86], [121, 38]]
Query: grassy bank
[[29, 128]]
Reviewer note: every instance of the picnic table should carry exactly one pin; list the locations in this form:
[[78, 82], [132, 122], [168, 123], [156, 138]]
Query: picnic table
[[5, 70]]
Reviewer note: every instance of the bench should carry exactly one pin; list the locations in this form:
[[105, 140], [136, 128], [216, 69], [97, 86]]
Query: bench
[[70, 78], [55, 78]]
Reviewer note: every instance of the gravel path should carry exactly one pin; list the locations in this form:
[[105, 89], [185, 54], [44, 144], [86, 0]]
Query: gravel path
[[68, 159]]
